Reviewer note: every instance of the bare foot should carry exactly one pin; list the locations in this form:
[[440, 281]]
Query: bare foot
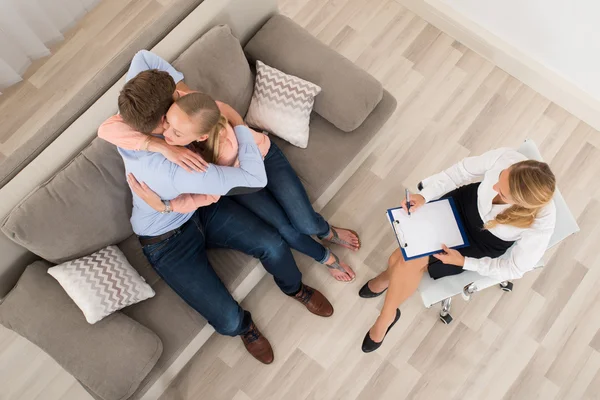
[[379, 329], [339, 269], [344, 237]]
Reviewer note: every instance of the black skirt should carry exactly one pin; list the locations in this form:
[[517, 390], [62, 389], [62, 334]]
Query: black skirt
[[482, 242]]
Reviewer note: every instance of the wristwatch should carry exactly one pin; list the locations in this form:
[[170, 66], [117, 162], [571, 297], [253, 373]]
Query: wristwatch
[[168, 208]]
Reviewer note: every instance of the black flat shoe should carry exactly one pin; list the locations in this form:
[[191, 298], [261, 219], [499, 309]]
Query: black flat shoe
[[367, 293], [368, 345]]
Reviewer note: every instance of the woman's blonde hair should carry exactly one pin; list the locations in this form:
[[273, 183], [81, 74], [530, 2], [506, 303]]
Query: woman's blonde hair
[[210, 122], [532, 186]]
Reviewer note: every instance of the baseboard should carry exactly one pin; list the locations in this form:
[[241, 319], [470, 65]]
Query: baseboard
[[539, 77]]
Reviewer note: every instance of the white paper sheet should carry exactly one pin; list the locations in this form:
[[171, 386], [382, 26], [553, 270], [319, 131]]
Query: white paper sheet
[[427, 228]]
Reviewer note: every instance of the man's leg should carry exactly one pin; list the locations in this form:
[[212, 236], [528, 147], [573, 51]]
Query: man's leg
[[230, 225], [182, 263]]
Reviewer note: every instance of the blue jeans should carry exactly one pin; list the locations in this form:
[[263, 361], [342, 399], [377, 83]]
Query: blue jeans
[[284, 205], [181, 261]]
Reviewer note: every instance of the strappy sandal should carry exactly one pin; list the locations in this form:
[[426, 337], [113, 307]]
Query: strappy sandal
[[336, 265], [335, 239]]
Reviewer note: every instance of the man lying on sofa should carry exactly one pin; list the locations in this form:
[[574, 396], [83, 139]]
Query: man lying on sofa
[[175, 243]]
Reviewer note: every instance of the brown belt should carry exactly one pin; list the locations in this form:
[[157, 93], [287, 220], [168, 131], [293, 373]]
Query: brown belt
[[146, 241]]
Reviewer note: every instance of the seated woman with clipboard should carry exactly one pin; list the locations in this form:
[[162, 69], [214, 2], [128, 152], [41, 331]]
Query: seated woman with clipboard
[[502, 199]]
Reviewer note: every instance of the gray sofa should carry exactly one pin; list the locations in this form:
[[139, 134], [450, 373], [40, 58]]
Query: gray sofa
[[86, 205]]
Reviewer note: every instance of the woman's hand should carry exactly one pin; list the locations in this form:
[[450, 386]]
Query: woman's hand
[[233, 117], [182, 156], [185, 158], [450, 257], [145, 193], [416, 201]]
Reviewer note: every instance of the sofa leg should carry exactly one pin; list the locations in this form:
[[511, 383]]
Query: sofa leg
[[445, 316]]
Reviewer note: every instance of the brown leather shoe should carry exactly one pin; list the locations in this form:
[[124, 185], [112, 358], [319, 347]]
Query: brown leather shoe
[[314, 301], [258, 345]]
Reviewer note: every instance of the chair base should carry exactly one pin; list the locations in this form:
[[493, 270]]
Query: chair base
[[506, 286], [445, 316], [446, 304], [446, 319]]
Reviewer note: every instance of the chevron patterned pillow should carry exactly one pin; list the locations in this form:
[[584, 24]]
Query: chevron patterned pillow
[[281, 104], [101, 283]]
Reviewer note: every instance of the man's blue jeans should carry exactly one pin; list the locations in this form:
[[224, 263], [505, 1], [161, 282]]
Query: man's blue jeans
[[284, 204], [181, 261]]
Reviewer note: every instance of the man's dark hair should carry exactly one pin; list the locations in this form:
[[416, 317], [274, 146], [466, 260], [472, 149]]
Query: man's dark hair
[[145, 99]]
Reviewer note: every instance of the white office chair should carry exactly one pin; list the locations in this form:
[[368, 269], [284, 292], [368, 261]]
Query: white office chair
[[442, 290]]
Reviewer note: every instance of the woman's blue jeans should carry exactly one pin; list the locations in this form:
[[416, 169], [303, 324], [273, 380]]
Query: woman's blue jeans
[[284, 205]]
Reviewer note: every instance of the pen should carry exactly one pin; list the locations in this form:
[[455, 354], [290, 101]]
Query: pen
[[407, 201]]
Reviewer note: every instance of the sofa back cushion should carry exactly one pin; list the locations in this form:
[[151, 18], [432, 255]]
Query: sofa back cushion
[[348, 94], [84, 207], [215, 64]]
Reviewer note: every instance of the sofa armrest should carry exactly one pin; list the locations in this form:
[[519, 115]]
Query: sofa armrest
[[348, 95], [111, 357]]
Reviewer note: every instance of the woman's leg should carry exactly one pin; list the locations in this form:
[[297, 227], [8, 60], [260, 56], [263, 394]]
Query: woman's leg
[[231, 226], [382, 281], [264, 205], [289, 192], [404, 277]]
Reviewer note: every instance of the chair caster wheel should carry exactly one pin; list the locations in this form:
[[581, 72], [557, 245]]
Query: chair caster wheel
[[508, 287], [446, 319]]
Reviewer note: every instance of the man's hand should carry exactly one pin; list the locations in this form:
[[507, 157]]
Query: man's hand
[[182, 156], [450, 257], [232, 116], [145, 193]]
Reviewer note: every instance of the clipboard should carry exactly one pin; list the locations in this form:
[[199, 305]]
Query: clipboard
[[434, 223]]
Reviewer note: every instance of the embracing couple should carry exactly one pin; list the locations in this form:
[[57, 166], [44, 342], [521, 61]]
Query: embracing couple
[[183, 151]]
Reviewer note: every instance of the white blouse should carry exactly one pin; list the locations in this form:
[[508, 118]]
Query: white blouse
[[530, 243]]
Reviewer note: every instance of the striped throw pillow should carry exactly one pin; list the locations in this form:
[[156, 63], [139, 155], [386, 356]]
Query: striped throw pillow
[[281, 104], [101, 283]]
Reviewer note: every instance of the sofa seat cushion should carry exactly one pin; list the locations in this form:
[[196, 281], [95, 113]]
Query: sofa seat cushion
[[84, 207], [330, 150], [349, 94], [111, 357], [215, 64]]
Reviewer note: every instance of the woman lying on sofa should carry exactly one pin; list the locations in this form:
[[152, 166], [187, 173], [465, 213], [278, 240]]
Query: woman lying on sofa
[[283, 203]]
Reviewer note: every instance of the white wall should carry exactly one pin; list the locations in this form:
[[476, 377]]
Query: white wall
[[563, 35]]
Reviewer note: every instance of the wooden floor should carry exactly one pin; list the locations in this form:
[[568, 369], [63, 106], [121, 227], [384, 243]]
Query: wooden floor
[[53, 81], [540, 342]]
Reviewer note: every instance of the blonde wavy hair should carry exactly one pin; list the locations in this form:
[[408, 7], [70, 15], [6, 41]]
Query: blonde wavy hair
[[210, 122], [532, 186]]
